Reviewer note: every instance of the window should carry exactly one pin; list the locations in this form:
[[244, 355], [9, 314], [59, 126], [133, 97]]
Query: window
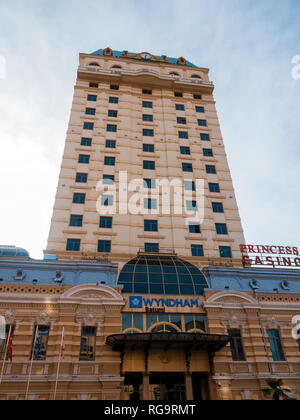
[[221, 229], [183, 134], [236, 343], [113, 100], [84, 159], [204, 137], [193, 228], [196, 96], [148, 117], [189, 186], [82, 178], [4, 350], [76, 220], [150, 226], [179, 107], [92, 98], [147, 92], [193, 322], [202, 123], [148, 148], [112, 114], [208, 153], [94, 85], [90, 111], [197, 250], [276, 345], [149, 164], [109, 161], [148, 133], [217, 208], [210, 169], [149, 247], [73, 245], [185, 150], [104, 246], [191, 205], [132, 321], [150, 203], [106, 222], [40, 343], [112, 128], [79, 198], [107, 200], [114, 87], [214, 188], [178, 94], [108, 179], [85, 141], [181, 120], [110, 144], [200, 109], [88, 126], [225, 252], [187, 167], [147, 104], [149, 183], [87, 344]]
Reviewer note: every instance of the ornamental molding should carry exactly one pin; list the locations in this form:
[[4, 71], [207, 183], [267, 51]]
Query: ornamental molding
[[230, 297]]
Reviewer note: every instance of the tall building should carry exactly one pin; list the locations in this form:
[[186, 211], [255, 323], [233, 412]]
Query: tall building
[[155, 119]]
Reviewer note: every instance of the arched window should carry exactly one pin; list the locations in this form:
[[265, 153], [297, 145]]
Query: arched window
[[94, 64], [164, 328], [196, 76], [116, 67], [173, 73]]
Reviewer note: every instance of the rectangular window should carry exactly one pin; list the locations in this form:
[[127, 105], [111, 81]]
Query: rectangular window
[[179, 107], [88, 126], [150, 226], [187, 167], [185, 150], [148, 148], [114, 87], [149, 183], [210, 169], [109, 161], [225, 252], [108, 179], [193, 228], [202, 123], [149, 164], [153, 248], [73, 245], [147, 104], [112, 128], [110, 144], [221, 229], [204, 137], [183, 134], [4, 350], [150, 203], [191, 205], [276, 346], [147, 92], [148, 133], [113, 100], [217, 208], [196, 96], [79, 198], [94, 85], [200, 109], [113, 114], [85, 141], [208, 153], [178, 94], [104, 246], [236, 343], [90, 111], [107, 200], [84, 159], [92, 98], [189, 186], [197, 250], [148, 117], [106, 222], [214, 188], [88, 344], [82, 178], [76, 220], [181, 120], [40, 343]]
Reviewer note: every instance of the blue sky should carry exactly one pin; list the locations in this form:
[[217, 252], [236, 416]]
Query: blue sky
[[247, 44]]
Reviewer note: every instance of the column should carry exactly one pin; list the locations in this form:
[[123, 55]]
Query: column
[[146, 387], [189, 394]]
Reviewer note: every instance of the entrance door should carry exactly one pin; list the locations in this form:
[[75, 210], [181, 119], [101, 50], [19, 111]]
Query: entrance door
[[167, 387]]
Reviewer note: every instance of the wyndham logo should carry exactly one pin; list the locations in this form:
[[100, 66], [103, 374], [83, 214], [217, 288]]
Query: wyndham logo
[[139, 302]]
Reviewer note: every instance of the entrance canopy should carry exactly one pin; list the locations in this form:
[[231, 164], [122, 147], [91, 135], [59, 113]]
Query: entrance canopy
[[210, 342]]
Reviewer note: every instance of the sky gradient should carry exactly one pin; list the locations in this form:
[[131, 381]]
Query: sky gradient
[[248, 45]]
